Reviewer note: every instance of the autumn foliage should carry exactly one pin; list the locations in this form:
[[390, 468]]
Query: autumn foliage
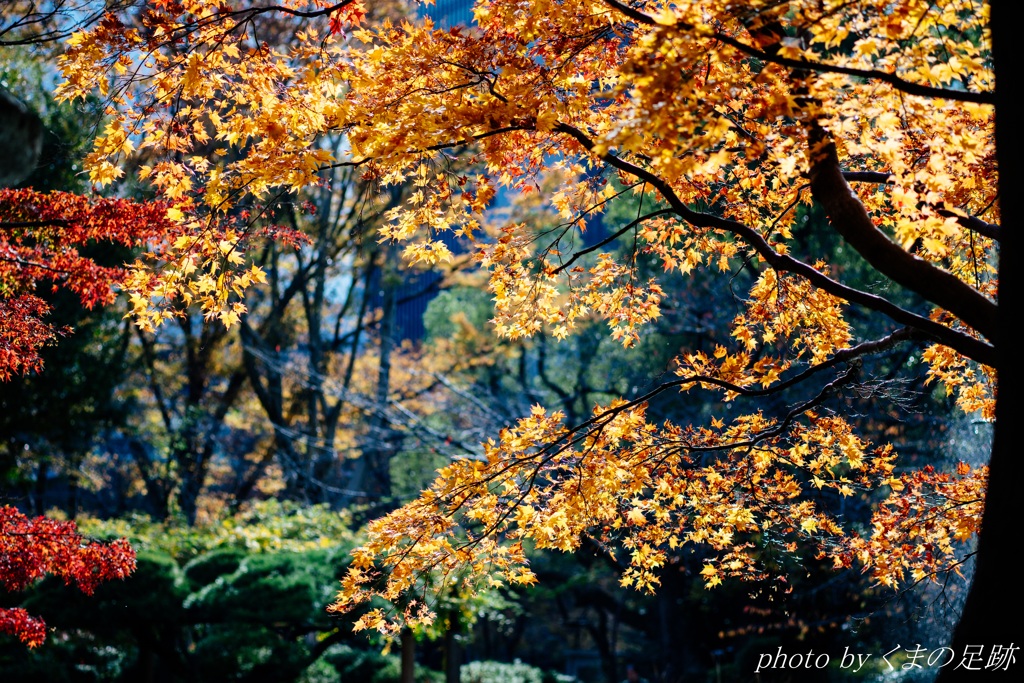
[[42, 243], [32, 548], [722, 119]]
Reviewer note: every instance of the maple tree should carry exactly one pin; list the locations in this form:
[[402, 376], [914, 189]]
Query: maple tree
[[287, 554], [33, 548], [49, 241], [41, 238], [728, 115]]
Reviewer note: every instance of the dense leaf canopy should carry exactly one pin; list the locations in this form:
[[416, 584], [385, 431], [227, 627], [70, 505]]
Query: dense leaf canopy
[[724, 118]]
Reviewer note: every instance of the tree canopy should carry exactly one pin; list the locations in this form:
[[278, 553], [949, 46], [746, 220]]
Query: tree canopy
[[724, 121]]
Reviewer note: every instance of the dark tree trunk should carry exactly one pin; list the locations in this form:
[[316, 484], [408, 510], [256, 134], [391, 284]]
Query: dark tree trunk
[[382, 450], [408, 656], [453, 648], [994, 611]]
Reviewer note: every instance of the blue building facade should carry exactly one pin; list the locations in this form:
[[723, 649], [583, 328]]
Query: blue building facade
[[448, 13]]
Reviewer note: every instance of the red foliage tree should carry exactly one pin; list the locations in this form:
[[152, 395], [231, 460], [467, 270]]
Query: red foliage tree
[[41, 237], [32, 548], [43, 242]]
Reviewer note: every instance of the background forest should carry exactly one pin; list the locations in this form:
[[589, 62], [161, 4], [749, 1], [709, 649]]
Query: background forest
[[243, 462]]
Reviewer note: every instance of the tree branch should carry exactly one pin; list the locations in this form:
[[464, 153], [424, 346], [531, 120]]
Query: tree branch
[[13, 225], [965, 344], [972, 223], [877, 177], [851, 220], [892, 79], [611, 238], [895, 81]]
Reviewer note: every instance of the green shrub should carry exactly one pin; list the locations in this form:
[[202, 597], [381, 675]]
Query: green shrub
[[503, 672]]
